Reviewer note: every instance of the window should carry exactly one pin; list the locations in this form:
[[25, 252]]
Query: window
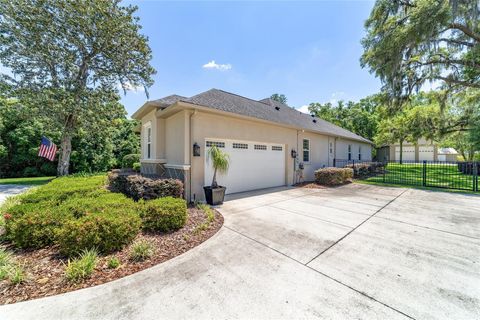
[[260, 147], [349, 152], [216, 143], [331, 148], [149, 142], [306, 150], [277, 148], [240, 145], [359, 152]]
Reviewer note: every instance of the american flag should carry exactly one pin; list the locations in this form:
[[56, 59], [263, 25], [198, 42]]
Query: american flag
[[48, 149]]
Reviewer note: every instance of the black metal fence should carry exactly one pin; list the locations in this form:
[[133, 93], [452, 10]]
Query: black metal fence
[[435, 174]]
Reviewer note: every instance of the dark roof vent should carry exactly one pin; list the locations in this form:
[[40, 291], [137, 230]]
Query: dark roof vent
[[312, 115], [314, 120], [277, 108]]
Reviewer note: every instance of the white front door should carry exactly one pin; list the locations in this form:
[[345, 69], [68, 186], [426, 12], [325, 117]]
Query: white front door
[[253, 165]]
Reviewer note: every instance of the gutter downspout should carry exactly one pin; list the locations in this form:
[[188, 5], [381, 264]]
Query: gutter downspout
[[191, 153]]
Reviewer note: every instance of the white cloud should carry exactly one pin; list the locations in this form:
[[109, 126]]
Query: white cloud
[[304, 109], [127, 86], [213, 65], [337, 96]]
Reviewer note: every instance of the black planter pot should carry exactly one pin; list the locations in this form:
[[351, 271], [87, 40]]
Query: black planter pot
[[214, 196]]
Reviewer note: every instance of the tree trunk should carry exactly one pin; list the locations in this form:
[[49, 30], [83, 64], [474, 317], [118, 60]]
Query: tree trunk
[[66, 147], [214, 181]]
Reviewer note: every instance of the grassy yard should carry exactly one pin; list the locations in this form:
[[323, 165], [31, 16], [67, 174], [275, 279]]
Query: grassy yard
[[437, 176], [27, 181]]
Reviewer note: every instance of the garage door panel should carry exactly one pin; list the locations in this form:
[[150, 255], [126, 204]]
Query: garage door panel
[[253, 165], [408, 153], [425, 153]]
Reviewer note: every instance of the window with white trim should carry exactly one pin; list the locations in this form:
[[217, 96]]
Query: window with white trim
[[240, 145], [260, 147], [148, 139], [359, 152], [331, 148], [217, 144], [349, 152], [306, 150]]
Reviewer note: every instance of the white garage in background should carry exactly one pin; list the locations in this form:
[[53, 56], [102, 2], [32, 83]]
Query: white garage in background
[[253, 165], [408, 153], [425, 153]]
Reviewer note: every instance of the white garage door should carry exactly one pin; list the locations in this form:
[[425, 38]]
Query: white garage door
[[408, 153], [253, 165], [425, 153]]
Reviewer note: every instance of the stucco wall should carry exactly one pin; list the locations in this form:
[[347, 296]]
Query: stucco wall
[[176, 138], [342, 150]]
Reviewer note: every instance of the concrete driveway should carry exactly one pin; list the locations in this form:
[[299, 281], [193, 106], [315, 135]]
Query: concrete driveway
[[351, 252]]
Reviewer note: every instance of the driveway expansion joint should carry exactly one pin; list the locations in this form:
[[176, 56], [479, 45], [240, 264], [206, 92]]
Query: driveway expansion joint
[[348, 233], [316, 271]]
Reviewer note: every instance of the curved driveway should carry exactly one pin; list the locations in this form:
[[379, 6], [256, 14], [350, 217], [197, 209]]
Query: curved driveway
[[351, 252]]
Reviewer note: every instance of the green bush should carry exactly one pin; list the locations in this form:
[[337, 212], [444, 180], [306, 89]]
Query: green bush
[[107, 231], [81, 267], [333, 176], [164, 214], [136, 166], [141, 250], [99, 201], [34, 225], [365, 169], [129, 159]]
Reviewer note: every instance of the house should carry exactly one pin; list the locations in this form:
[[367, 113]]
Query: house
[[260, 137], [422, 150]]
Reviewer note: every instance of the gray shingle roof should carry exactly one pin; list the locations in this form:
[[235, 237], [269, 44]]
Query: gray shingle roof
[[168, 100], [265, 110]]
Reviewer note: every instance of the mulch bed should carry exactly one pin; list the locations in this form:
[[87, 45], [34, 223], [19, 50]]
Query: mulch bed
[[45, 268]]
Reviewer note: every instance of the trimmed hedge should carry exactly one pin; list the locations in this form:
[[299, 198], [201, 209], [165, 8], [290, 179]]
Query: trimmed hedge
[[138, 187], [105, 231], [363, 170], [165, 214], [333, 176]]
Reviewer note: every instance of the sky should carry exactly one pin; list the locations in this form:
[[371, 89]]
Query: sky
[[308, 51]]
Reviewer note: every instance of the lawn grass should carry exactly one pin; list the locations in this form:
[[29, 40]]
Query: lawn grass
[[27, 181], [438, 175]]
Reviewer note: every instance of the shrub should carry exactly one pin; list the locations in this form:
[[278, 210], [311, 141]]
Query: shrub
[[138, 187], [362, 170], [136, 166], [141, 250], [16, 274], [34, 225], [10, 269], [333, 176], [129, 159], [108, 230], [81, 267], [165, 214], [30, 172], [207, 210], [113, 263]]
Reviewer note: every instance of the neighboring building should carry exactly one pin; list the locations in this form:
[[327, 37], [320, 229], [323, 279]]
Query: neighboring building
[[422, 150], [259, 136]]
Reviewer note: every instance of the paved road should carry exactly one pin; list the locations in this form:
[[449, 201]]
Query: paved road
[[7, 190], [351, 252]]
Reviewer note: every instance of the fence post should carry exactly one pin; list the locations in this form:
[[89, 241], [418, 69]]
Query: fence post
[[334, 162], [384, 170], [424, 175], [475, 175]]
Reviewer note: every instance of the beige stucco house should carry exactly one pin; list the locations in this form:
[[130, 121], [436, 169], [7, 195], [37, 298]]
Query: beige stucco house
[[423, 150], [259, 136]]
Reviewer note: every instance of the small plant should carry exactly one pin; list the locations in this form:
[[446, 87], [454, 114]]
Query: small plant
[[200, 228], [81, 267], [141, 250], [113, 263], [208, 211], [16, 274], [6, 262], [220, 162]]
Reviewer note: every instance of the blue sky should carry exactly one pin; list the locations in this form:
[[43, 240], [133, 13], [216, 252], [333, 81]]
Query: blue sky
[[308, 51]]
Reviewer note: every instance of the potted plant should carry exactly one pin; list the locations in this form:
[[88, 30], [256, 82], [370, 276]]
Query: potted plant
[[215, 194]]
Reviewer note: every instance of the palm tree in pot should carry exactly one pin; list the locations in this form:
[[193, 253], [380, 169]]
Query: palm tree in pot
[[215, 194]]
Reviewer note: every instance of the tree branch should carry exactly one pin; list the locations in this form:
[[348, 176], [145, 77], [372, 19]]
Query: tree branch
[[467, 31], [463, 43], [461, 82]]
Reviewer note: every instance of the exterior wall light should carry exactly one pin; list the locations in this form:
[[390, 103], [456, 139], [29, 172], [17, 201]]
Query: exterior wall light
[[196, 150], [293, 153]]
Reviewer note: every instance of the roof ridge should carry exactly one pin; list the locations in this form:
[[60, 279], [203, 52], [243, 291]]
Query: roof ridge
[[234, 94]]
